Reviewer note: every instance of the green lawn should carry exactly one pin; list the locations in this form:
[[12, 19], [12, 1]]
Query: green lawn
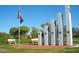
[[9, 49]]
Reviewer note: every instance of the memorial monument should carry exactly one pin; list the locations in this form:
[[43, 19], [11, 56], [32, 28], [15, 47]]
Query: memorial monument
[[52, 29], [52, 34], [68, 26], [60, 28]]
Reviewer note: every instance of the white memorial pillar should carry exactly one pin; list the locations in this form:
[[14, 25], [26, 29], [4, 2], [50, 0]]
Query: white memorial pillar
[[68, 26], [60, 28], [56, 32], [52, 29], [46, 35], [40, 38]]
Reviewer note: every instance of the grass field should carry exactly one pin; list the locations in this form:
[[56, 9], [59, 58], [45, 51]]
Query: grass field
[[9, 49]]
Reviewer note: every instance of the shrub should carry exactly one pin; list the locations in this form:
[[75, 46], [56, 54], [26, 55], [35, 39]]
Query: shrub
[[3, 38]]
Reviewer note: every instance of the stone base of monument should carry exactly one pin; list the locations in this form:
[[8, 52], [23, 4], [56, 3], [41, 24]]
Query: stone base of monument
[[25, 46]]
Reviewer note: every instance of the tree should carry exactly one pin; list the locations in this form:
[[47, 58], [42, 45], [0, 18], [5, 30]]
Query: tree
[[34, 32], [14, 32], [73, 30], [64, 31], [24, 37], [23, 30]]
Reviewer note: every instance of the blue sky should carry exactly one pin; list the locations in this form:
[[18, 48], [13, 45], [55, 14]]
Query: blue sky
[[34, 15]]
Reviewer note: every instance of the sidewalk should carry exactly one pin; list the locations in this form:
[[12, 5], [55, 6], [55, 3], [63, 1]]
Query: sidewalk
[[25, 46]]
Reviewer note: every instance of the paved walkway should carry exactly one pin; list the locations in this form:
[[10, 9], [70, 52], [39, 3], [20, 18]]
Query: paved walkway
[[36, 46]]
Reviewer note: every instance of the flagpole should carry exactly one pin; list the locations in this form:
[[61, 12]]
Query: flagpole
[[20, 21], [19, 32]]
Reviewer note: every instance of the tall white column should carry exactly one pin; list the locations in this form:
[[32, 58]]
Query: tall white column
[[46, 35], [56, 32], [52, 29], [40, 38], [68, 26], [60, 28]]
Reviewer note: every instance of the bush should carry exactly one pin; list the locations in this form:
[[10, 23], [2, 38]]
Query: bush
[[3, 38], [3, 42], [25, 39]]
